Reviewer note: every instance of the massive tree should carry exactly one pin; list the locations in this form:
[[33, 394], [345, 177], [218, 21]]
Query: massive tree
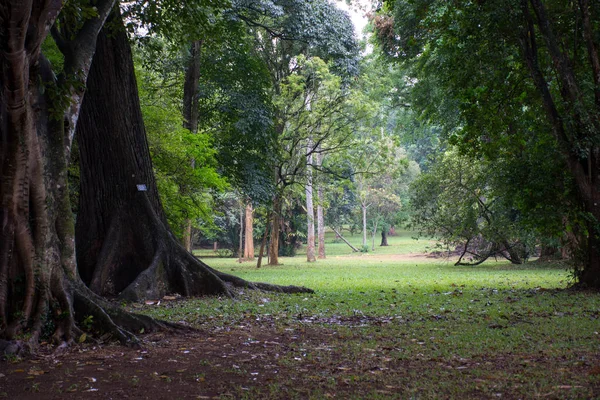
[[503, 73], [124, 245]]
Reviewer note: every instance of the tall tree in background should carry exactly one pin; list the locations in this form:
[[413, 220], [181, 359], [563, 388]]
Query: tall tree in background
[[320, 211], [310, 208], [283, 30]]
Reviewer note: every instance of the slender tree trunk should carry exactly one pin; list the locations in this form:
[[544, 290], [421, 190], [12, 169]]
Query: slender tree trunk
[[373, 234], [364, 224], [262, 245], [249, 230], [275, 225], [320, 215], [187, 238], [241, 243], [191, 115], [310, 209]]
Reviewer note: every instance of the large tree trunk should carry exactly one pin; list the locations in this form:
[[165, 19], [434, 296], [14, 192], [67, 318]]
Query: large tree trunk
[[124, 245], [38, 275], [249, 233], [191, 115]]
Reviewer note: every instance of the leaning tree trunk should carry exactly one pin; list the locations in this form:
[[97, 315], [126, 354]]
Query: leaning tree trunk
[[125, 248]]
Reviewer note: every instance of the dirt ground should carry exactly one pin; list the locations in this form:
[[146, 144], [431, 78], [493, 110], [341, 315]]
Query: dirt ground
[[196, 365], [259, 362]]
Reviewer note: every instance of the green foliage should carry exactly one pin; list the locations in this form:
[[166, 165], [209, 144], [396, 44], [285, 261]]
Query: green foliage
[[186, 192], [314, 111], [473, 76], [311, 27], [475, 204]]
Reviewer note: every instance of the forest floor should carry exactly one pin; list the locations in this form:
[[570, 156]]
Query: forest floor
[[380, 326], [302, 362]]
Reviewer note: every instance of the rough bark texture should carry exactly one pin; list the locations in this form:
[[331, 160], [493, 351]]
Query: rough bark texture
[[29, 253], [124, 245], [249, 233], [39, 283]]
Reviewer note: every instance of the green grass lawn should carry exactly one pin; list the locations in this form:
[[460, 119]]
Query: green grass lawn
[[495, 330]]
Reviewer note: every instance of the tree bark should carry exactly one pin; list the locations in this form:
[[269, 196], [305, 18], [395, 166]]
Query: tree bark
[[262, 245], [579, 124], [275, 224], [249, 233], [320, 215], [384, 237], [124, 246], [191, 115]]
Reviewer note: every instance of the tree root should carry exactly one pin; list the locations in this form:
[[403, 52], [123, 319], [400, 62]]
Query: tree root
[[114, 320]]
